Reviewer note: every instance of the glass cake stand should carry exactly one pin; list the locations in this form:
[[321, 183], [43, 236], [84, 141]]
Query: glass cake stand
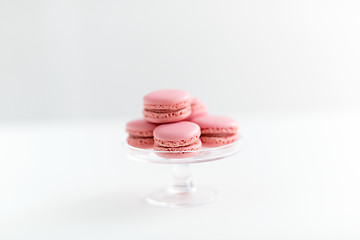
[[182, 192]]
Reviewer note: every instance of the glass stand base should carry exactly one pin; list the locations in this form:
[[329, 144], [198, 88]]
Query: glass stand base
[[192, 197]]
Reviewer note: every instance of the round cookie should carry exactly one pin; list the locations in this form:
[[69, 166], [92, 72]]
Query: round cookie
[[177, 140], [165, 106], [197, 109], [217, 130], [140, 133]]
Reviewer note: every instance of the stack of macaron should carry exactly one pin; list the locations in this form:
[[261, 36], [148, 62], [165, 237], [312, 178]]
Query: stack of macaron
[[176, 125]]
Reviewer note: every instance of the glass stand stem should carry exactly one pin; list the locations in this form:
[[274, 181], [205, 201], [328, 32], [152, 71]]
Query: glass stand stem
[[181, 193], [182, 180]]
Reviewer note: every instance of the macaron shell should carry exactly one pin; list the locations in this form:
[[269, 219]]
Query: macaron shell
[[179, 152], [197, 109], [177, 134], [196, 104], [198, 112], [212, 141], [216, 124], [140, 128], [137, 142], [167, 97], [167, 117]]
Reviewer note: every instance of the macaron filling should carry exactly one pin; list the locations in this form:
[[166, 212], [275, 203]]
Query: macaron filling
[[172, 144], [217, 139], [163, 114], [140, 134], [140, 137], [167, 107], [219, 130], [218, 135], [142, 142], [196, 145]]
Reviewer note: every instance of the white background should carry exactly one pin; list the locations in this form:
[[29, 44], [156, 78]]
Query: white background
[[98, 58], [73, 72]]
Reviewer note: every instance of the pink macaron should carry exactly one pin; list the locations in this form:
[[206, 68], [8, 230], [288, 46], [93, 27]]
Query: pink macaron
[[140, 133], [197, 109], [177, 140], [217, 130], [165, 106]]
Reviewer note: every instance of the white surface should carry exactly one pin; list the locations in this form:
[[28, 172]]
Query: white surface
[[297, 177], [84, 58]]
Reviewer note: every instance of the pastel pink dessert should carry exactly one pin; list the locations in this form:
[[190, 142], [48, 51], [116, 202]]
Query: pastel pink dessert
[[165, 106], [217, 130], [140, 133], [177, 140], [197, 109]]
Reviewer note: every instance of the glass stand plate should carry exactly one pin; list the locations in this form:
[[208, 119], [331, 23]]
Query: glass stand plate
[[182, 192]]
